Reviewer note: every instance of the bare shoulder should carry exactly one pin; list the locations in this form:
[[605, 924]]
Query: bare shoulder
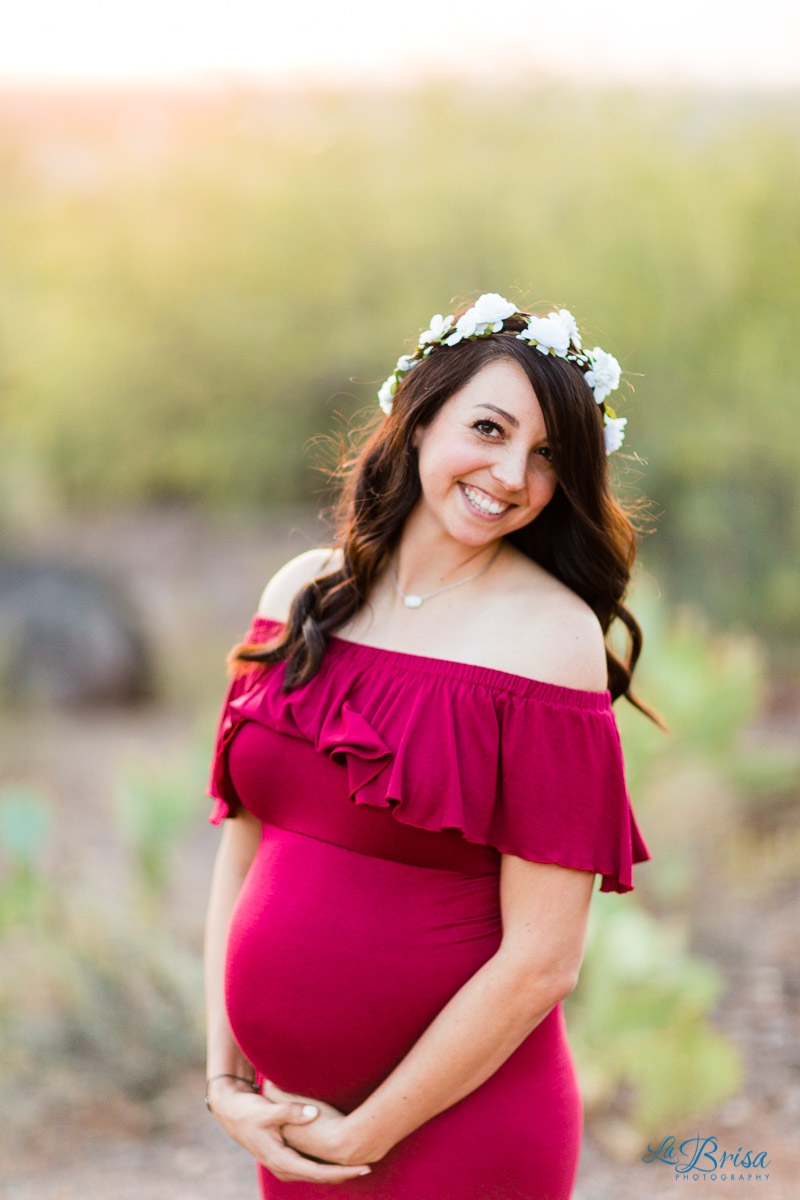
[[276, 599], [566, 645], [579, 648]]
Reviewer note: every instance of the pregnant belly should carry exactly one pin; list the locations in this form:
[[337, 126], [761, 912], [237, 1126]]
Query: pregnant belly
[[338, 961]]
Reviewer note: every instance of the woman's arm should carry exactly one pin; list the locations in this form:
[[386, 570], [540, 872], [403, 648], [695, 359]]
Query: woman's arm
[[241, 835], [250, 1119], [545, 910], [238, 845]]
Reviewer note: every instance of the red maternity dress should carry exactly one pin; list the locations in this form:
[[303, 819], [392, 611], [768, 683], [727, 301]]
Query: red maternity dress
[[388, 786]]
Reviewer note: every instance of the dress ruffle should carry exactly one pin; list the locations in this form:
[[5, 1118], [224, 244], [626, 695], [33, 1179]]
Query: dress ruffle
[[533, 769]]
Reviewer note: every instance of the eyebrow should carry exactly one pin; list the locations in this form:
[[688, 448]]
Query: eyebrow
[[502, 412]]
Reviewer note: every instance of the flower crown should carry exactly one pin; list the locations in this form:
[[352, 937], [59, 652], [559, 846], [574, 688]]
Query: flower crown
[[555, 334]]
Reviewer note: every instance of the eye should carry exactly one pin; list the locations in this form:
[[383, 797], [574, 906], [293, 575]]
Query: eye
[[485, 424], [546, 452]]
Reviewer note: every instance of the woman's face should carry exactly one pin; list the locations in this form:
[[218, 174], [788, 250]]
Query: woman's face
[[484, 460]]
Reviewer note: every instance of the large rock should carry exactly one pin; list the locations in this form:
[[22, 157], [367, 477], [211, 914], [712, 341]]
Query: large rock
[[67, 637]]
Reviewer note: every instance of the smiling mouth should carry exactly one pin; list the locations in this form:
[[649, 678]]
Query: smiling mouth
[[482, 502]]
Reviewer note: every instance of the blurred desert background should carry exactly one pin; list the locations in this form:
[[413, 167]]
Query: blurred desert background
[[203, 283]]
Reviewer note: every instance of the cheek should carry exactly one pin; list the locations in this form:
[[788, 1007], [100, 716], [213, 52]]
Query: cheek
[[548, 486], [542, 486], [443, 460]]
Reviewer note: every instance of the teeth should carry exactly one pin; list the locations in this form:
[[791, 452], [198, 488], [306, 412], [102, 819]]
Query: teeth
[[480, 501]]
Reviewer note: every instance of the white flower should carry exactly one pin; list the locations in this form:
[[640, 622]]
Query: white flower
[[551, 333], [386, 394], [458, 334], [570, 325], [438, 328], [486, 316], [614, 433], [466, 326], [604, 375], [405, 362], [491, 309]]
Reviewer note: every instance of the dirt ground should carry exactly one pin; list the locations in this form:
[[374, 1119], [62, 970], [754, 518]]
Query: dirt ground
[[196, 581]]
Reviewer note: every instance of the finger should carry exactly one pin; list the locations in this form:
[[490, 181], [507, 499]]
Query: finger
[[272, 1092], [296, 1114], [289, 1162]]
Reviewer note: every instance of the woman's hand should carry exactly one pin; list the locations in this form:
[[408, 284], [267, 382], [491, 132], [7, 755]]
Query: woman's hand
[[255, 1123], [326, 1138]]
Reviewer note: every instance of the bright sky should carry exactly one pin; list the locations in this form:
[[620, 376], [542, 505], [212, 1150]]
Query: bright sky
[[719, 42]]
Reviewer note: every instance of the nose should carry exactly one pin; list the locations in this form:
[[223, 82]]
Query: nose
[[510, 469]]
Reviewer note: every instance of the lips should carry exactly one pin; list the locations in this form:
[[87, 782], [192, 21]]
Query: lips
[[482, 502]]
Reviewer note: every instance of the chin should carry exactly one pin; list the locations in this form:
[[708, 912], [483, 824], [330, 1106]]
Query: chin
[[477, 537], [480, 534]]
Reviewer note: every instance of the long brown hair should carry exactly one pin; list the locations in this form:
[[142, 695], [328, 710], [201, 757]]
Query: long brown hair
[[583, 536]]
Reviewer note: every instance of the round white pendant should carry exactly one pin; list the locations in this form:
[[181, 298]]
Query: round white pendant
[[412, 601]]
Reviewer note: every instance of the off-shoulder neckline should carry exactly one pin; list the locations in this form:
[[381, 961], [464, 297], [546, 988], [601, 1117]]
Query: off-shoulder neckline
[[520, 685]]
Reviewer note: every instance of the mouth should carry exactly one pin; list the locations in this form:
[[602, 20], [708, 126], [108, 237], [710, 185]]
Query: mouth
[[482, 502]]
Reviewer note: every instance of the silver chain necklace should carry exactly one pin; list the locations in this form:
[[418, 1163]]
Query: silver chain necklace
[[413, 601]]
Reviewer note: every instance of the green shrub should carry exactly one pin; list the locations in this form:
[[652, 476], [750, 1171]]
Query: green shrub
[[639, 1017]]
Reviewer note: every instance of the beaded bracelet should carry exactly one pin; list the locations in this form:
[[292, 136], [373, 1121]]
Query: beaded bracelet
[[224, 1075]]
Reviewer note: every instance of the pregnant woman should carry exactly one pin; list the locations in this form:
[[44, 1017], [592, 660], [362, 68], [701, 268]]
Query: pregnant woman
[[423, 776]]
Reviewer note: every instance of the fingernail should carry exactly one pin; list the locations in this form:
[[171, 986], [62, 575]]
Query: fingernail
[[366, 1171], [310, 1110]]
